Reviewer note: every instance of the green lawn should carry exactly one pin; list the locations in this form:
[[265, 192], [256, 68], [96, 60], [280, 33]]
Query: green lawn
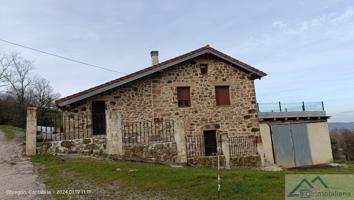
[[112, 179], [10, 131]]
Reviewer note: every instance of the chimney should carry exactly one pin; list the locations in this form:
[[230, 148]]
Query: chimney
[[154, 57]]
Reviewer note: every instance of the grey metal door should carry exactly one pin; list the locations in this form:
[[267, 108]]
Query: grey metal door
[[282, 145], [301, 144], [291, 145]]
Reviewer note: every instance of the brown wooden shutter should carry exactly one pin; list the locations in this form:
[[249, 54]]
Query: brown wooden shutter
[[222, 94], [183, 96], [183, 93]]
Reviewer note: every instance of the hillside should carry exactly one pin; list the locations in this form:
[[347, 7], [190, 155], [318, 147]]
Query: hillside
[[333, 125]]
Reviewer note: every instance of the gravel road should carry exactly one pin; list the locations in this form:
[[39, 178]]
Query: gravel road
[[18, 179]]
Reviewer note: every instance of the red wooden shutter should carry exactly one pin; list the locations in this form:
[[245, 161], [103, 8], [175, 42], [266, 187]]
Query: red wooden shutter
[[222, 95]]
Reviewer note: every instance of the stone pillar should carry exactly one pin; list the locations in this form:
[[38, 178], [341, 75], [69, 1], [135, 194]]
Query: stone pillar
[[114, 138], [260, 149], [180, 138], [31, 131], [225, 146]]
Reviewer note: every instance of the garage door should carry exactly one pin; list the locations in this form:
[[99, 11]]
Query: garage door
[[291, 145]]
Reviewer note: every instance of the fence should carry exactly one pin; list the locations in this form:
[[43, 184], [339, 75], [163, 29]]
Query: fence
[[55, 126], [242, 146], [146, 132], [290, 107], [238, 145], [195, 146]]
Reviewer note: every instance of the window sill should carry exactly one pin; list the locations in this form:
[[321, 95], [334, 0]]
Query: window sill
[[223, 106]]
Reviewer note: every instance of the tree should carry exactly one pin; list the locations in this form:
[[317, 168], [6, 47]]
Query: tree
[[22, 89], [42, 94], [4, 66], [342, 141], [19, 78]]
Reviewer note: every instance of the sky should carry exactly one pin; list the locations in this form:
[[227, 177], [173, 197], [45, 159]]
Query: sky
[[305, 47]]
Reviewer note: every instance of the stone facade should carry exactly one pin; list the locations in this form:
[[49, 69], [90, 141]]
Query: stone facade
[[158, 152], [154, 97], [88, 146]]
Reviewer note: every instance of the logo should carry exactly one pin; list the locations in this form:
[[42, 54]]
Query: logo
[[304, 188], [319, 187]]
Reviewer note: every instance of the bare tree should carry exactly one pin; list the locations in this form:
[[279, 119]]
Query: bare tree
[[19, 78], [4, 66], [342, 141], [42, 93]]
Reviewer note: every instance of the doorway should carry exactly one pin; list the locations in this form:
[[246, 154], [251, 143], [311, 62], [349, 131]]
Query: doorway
[[98, 118], [291, 145], [210, 143]]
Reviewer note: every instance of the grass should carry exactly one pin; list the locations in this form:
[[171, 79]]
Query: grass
[[151, 180], [10, 131]]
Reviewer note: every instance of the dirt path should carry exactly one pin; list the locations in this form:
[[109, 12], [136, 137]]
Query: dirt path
[[17, 173]]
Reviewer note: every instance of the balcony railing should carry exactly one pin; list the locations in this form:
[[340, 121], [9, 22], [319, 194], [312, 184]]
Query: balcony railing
[[290, 107]]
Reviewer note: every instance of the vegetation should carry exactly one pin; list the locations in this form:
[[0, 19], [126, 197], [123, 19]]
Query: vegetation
[[19, 88], [342, 141], [118, 179], [10, 131]]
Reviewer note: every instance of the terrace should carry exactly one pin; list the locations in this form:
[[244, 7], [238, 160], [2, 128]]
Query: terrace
[[296, 110]]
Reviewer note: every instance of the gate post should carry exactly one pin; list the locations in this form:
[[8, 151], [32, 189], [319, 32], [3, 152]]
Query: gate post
[[114, 137], [31, 131], [225, 146], [180, 138]]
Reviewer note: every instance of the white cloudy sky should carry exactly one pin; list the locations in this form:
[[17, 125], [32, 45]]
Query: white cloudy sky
[[306, 47]]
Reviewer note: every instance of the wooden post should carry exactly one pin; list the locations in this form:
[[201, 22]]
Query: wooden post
[[31, 131]]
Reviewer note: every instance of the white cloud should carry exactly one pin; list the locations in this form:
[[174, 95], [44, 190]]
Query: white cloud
[[279, 24]]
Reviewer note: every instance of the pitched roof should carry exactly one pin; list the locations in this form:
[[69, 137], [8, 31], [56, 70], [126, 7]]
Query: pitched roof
[[155, 68]]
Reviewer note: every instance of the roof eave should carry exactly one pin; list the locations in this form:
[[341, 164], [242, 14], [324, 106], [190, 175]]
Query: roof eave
[[66, 102]]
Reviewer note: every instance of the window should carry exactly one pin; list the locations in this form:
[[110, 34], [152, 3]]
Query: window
[[183, 96], [203, 69], [210, 143], [222, 95]]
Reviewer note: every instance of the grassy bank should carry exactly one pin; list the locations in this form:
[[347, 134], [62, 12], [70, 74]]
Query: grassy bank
[[10, 131], [120, 179]]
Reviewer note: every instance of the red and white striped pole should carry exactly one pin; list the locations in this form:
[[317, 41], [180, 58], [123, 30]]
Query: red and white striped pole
[[218, 171]]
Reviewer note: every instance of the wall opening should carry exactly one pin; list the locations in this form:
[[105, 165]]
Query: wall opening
[[98, 118], [210, 143]]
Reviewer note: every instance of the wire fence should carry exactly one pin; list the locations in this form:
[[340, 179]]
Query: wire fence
[[290, 107], [146, 132]]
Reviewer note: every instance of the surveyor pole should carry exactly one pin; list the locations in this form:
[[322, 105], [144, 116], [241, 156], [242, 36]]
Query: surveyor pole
[[218, 170]]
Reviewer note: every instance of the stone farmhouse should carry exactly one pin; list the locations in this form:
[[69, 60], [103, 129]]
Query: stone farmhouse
[[186, 110]]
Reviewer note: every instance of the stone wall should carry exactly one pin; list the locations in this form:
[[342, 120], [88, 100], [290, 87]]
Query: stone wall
[[209, 161], [95, 145], [246, 161], [155, 97], [156, 152]]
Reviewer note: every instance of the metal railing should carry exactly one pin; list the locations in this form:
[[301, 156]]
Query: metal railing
[[195, 146], [55, 126], [290, 107], [145, 132], [242, 146]]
